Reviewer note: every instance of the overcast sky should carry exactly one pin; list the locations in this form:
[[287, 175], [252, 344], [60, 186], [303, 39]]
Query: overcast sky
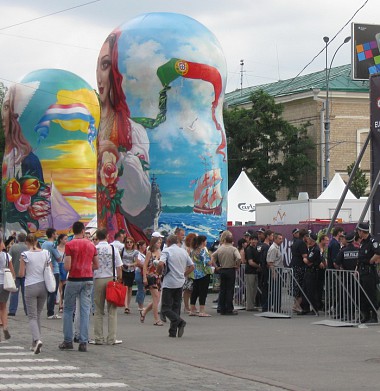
[[276, 38]]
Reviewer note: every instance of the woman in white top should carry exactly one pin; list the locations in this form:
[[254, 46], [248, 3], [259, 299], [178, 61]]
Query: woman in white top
[[32, 267], [129, 257], [5, 260]]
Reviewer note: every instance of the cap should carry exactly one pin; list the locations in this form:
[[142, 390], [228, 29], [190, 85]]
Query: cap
[[313, 236], [295, 231], [350, 237], [363, 227], [247, 234], [262, 230], [157, 235]]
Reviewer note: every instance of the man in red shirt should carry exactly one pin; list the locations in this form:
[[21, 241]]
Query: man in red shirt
[[81, 260]]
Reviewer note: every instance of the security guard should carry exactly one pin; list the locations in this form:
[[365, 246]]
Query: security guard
[[347, 259], [313, 263], [369, 255]]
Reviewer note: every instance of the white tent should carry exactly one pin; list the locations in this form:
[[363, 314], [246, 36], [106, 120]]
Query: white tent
[[335, 189], [242, 199]]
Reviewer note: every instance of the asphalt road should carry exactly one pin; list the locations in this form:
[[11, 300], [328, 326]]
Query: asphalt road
[[243, 352]]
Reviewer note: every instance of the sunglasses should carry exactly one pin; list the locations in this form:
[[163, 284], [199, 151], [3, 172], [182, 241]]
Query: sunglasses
[[129, 241]]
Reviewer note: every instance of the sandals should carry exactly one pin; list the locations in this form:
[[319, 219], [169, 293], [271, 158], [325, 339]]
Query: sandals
[[60, 310], [192, 314], [203, 315], [127, 311], [158, 323], [142, 317]]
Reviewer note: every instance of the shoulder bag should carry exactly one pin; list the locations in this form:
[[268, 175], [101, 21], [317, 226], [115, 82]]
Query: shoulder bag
[[49, 278], [9, 282], [115, 291]]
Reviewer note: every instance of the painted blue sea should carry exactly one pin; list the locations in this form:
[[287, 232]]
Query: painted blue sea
[[207, 225]]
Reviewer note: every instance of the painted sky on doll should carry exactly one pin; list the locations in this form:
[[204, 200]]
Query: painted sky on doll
[[63, 146], [189, 134]]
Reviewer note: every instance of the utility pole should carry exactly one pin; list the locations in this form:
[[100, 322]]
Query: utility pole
[[241, 76]]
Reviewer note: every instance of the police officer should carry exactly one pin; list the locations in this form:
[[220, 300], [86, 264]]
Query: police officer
[[368, 256], [347, 259], [313, 262]]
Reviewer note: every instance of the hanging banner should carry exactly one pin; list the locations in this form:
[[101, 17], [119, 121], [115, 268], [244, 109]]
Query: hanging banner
[[375, 148]]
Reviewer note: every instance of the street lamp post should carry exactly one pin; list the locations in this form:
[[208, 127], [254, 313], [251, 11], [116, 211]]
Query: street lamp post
[[327, 108]]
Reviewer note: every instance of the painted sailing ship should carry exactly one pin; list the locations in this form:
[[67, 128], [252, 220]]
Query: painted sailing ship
[[207, 193]]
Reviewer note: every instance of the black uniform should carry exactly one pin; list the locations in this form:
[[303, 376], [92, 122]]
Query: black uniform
[[263, 248], [298, 248], [347, 258], [368, 277], [310, 285]]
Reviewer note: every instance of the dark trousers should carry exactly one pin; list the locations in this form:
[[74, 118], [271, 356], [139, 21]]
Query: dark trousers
[[227, 287], [368, 281], [171, 307], [200, 289], [264, 288], [13, 301], [310, 288], [52, 297]]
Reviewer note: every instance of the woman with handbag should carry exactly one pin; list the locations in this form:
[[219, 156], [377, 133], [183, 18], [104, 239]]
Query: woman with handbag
[[152, 280], [32, 266], [202, 272], [5, 263], [129, 256]]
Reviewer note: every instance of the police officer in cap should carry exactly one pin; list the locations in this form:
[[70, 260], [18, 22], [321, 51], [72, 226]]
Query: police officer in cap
[[347, 259], [313, 263], [369, 255]]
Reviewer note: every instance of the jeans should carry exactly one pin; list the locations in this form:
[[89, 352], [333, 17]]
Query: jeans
[[83, 290], [52, 297], [35, 297], [140, 295], [13, 301], [171, 307]]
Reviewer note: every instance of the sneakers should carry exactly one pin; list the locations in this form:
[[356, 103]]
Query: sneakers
[[6, 334], [181, 329], [82, 347], [94, 342], [117, 342], [11, 314], [66, 346], [37, 348], [54, 317]]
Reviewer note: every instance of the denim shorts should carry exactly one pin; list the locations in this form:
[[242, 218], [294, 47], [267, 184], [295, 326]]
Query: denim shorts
[[62, 272]]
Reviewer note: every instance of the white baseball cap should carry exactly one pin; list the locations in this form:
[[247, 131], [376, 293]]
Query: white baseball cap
[[157, 235]]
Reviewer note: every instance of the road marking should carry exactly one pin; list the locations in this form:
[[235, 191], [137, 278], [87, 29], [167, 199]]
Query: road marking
[[17, 354], [19, 360], [39, 368], [12, 348], [47, 375], [31, 386]]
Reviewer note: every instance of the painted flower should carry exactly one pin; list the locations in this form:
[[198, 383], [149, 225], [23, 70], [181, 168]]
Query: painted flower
[[45, 193], [39, 209], [23, 202], [108, 170], [30, 186], [112, 189], [13, 190]]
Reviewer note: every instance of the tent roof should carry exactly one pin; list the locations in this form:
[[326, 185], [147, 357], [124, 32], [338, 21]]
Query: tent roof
[[335, 189], [242, 198]]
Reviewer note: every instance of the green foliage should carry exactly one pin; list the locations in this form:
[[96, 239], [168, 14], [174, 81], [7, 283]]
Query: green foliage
[[359, 182], [273, 151], [3, 91]]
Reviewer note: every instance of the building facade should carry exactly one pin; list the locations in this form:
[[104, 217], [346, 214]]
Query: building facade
[[304, 100]]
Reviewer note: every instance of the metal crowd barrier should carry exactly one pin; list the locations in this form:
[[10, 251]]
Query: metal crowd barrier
[[342, 296], [239, 294], [280, 291]]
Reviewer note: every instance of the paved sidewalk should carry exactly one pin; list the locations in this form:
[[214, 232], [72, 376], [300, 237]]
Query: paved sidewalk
[[243, 352]]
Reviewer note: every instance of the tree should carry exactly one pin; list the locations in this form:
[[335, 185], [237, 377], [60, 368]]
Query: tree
[[3, 91], [274, 152], [359, 182]]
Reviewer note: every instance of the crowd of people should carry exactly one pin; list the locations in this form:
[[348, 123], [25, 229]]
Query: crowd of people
[[173, 269]]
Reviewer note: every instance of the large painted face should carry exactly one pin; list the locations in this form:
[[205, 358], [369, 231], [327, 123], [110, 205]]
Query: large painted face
[[103, 70], [5, 115]]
